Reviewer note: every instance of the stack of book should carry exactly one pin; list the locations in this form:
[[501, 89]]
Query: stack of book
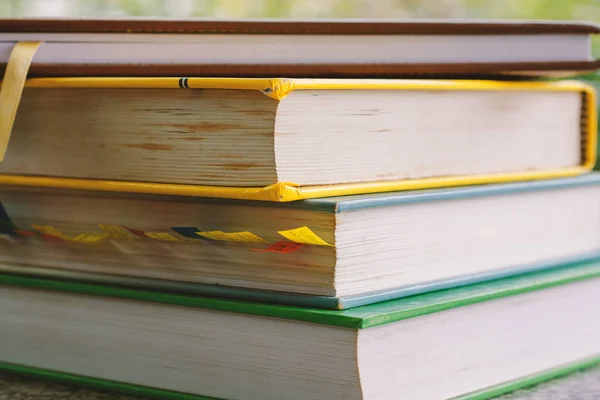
[[298, 210]]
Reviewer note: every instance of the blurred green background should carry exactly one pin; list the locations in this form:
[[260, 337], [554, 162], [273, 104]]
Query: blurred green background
[[552, 9]]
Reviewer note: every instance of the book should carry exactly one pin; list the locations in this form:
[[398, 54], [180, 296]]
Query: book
[[22, 379], [290, 139], [335, 253], [297, 48], [469, 343]]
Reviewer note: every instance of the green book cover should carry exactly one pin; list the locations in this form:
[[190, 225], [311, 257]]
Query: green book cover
[[358, 317]]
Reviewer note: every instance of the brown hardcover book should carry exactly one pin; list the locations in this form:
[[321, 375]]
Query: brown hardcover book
[[318, 48]]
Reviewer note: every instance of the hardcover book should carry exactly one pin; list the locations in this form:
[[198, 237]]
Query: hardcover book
[[470, 343], [284, 139], [296, 48], [335, 253]]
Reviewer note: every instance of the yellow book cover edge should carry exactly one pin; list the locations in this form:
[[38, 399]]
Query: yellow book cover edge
[[278, 88]]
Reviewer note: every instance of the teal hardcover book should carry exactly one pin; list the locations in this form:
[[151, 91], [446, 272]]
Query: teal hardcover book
[[472, 342], [333, 253]]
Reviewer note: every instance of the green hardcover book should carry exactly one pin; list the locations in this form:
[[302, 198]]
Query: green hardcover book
[[472, 342]]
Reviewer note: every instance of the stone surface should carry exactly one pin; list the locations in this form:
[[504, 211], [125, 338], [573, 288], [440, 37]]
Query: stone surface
[[579, 386]]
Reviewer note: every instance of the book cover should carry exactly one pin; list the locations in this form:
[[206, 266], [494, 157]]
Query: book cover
[[364, 317]]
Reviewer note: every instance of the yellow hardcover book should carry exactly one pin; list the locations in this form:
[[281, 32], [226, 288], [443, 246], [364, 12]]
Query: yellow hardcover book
[[288, 139]]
